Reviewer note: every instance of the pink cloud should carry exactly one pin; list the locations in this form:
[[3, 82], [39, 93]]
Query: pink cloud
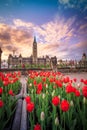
[[53, 38]]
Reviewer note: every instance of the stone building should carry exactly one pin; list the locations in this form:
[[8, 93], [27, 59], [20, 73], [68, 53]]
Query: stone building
[[18, 60], [14, 60], [53, 62], [84, 60]]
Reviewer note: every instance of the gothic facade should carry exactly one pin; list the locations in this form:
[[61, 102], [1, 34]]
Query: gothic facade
[[14, 60]]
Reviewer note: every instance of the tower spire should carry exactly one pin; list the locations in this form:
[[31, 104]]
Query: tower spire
[[34, 39], [34, 51]]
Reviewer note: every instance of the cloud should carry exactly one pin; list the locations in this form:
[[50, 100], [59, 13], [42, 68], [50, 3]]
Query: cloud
[[20, 36], [82, 44], [63, 1], [14, 38], [8, 35], [78, 4], [49, 36], [82, 30], [83, 26], [55, 35], [56, 30], [76, 50], [21, 24], [50, 32], [5, 35], [10, 48], [53, 38]]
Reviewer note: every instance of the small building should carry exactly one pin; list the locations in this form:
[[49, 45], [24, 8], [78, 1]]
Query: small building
[[84, 60]]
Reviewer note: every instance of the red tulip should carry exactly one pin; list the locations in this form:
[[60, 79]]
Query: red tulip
[[37, 127], [59, 83], [55, 101], [77, 93], [64, 105], [39, 86], [84, 91], [70, 89], [85, 82], [66, 80], [38, 91], [28, 99], [1, 103], [1, 91], [11, 92], [5, 83], [74, 79], [30, 107], [35, 83]]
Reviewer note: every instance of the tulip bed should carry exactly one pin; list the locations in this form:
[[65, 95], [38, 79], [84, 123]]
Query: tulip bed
[[9, 87], [55, 102]]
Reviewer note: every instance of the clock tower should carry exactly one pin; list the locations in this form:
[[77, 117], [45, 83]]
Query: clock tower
[[34, 51]]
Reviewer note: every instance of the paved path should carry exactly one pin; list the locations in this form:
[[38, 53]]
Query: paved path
[[23, 80], [20, 120], [81, 75]]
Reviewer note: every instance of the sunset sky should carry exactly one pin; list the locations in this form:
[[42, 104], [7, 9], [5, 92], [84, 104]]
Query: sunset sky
[[60, 27]]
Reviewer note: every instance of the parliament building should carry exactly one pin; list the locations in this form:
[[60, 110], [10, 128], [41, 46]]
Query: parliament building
[[14, 60]]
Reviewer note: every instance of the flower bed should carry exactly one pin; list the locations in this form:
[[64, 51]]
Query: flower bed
[[55, 102], [9, 87]]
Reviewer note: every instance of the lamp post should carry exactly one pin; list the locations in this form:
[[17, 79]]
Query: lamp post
[[0, 56]]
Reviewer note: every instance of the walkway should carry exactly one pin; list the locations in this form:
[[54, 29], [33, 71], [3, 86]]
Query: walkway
[[20, 119], [81, 75]]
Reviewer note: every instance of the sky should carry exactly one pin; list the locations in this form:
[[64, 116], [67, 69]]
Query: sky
[[60, 27]]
